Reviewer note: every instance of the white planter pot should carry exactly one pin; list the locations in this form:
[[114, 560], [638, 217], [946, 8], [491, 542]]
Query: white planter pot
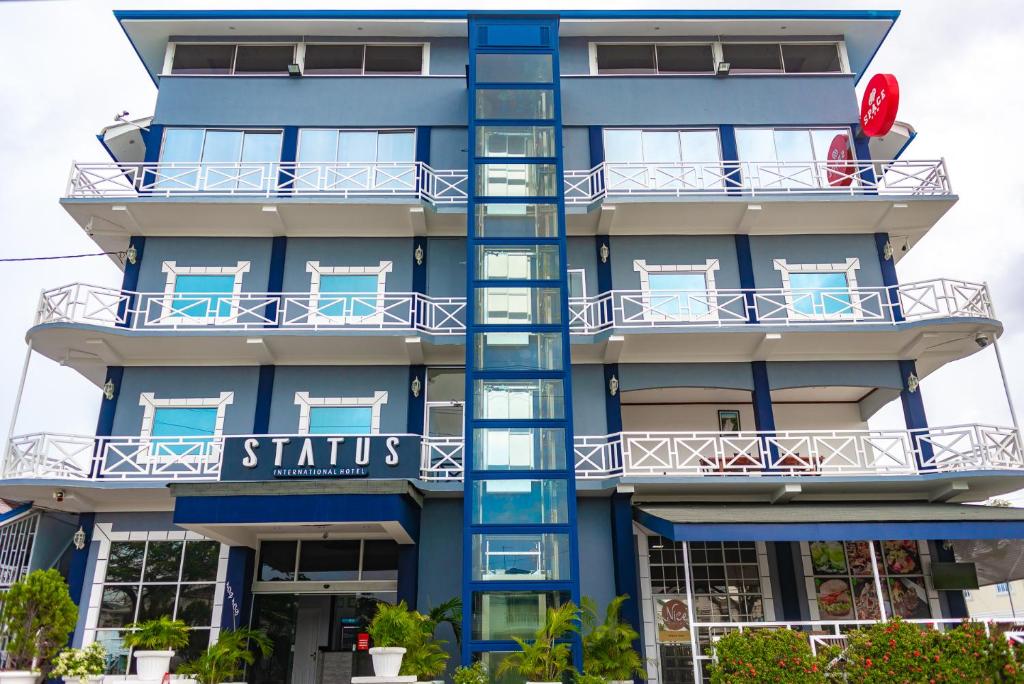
[[153, 664], [19, 677], [386, 661], [91, 679]]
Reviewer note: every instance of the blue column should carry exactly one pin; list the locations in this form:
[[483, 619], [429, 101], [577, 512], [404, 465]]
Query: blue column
[[914, 415], [423, 144], [237, 588], [289, 154], [130, 282], [417, 405], [789, 581], [408, 574], [105, 420], [612, 404], [745, 264], [420, 245], [264, 394], [889, 279], [862, 151], [731, 158], [764, 416], [954, 599], [79, 564], [625, 557], [152, 139], [275, 280]]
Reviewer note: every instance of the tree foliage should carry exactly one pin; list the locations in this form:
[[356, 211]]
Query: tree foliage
[[37, 617]]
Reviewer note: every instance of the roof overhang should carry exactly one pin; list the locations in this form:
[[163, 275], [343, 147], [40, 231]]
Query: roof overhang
[[149, 31], [830, 521], [123, 141]]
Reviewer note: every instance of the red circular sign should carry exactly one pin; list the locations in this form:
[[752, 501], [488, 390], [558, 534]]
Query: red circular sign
[[839, 169], [879, 104]]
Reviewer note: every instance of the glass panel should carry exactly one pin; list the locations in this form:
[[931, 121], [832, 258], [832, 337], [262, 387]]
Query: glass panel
[[518, 351], [446, 384], [444, 420], [793, 145], [821, 141], [317, 150], [516, 220], [753, 58], [340, 420], [348, 296], [396, 146], [201, 559], [202, 59], [515, 557], [516, 180], [394, 59], [623, 145], [520, 502], [685, 59], [157, 600], [329, 561], [625, 59], [577, 283], [679, 295], [661, 146], [180, 145], [333, 60], [199, 296], [163, 561], [264, 59], [518, 305], [221, 153], [195, 604], [259, 147], [499, 615], [117, 607], [811, 59], [380, 560], [515, 104], [821, 294], [519, 399], [517, 262], [519, 449], [277, 561], [519, 68], [184, 422], [125, 561], [700, 146], [755, 144], [515, 141]]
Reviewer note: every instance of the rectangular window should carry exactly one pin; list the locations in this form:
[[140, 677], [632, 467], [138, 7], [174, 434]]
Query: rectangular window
[[519, 399], [327, 560], [663, 159], [518, 351], [679, 296], [203, 296], [516, 180], [340, 420], [811, 59], [193, 424], [231, 160], [394, 59], [331, 59], [515, 141], [1002, 588], [519, 449], [371, 160], [626, 59], [264, 60], [753, 58], [520, 68], [821, 294], [513, 262], [520, 502], [516, 557], [502, 615], [514, 104], [643, 58], [793, 158], [518, 306], [203, 59], [516, 220], [348, 296]]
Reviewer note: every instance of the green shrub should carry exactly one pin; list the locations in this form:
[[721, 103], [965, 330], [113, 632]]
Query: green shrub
[[393, 626], [590, 679], [425, 657], [38, 615], [474, 674], [779, 656], [80, 662], [547, 657], [608, 646], [161, 634], [224, 661]]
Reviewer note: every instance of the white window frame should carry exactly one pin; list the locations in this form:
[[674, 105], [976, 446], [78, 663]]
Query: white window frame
[[169, 55], [174, 318], [708, 268], [150, 403], [315, 270], [849, 268], [299, 56], [103, 536], [374, 403], [717, 55]]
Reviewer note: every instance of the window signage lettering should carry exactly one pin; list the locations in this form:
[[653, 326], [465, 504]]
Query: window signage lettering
[[320, 456]]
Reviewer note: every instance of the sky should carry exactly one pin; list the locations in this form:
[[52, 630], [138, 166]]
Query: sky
[[955, 61]]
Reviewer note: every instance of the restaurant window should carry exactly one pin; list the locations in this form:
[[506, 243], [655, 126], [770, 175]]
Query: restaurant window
[[644, 58], [145, 580], [842, 585]]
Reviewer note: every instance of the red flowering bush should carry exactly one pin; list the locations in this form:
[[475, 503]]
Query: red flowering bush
[[779, 656]]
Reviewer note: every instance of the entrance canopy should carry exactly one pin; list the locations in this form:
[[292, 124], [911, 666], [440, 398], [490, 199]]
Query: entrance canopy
[[830, 521], [240, 513]]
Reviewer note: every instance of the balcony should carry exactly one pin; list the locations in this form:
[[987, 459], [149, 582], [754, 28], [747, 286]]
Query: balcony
[[820, 460], [87, 324], [113, 200]]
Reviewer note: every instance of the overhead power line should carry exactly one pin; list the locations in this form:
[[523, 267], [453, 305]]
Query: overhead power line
[[121, 255]]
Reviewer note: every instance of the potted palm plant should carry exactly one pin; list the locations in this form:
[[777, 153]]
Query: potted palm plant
[[425, 657], [225, 660], [546, 658], [154, 642], [608, 650], [81, 665], [37, 617], [391, 628]]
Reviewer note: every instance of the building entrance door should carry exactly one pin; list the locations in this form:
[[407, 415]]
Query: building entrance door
[[310, 635]]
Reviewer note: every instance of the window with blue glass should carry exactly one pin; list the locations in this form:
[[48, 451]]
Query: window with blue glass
[[347, 294], [820, 294], [203, 296], [340, 420], [213, 160], [679, 295], [198, 294], [335, 159]]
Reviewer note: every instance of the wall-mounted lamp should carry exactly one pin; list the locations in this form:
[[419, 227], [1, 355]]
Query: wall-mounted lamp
[[108, 390], [419, 255], [722, 69], [604, 251], [78, 539], [416, 386], [294, 70], [887, 250], [913, 382], [613, 385]]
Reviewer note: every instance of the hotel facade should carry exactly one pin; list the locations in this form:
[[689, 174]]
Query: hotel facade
[[515, 308]]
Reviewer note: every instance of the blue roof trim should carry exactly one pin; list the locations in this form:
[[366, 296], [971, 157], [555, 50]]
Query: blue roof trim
[[877, 48], [15, 512], [99, 136], [141, 15]]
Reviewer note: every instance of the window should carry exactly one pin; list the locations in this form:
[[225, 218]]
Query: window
[[199, 295], [326, 560], [678, 292], [347, 295], [515, 141], [842, 585], [640, 58], [518, 557], [212, 160], [343, 59], [516, 180], [338, 160], [217, 60], [811, 59], [340, 415], [514, 104], [519, 399], [445, 401], [655, 159], [181, 431], [791, 158], [171, 573], [820, 291], [775, 58], [525, 68]]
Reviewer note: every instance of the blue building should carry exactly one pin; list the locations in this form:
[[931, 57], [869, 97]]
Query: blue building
[[515, 308]]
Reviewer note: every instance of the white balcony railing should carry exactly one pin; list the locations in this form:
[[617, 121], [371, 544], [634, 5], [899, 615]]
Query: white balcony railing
[[620, 309], [629, 454], [348, 180]]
